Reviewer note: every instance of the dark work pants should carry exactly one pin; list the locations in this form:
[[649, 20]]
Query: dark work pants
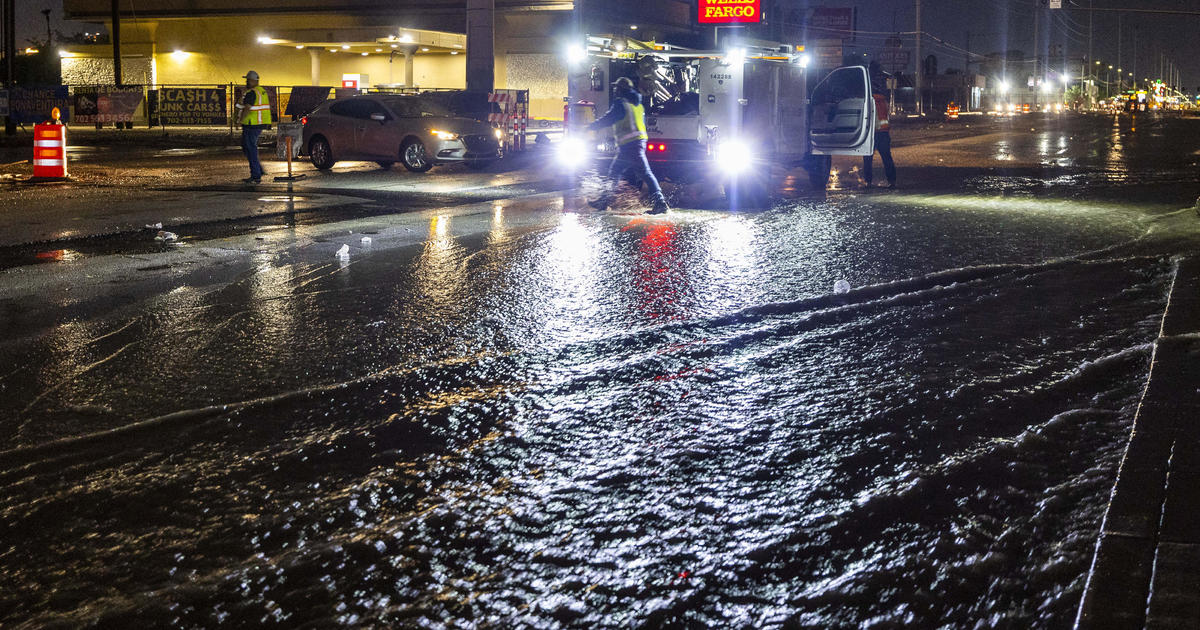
[[632, 156], [250, 134], [883, 144]]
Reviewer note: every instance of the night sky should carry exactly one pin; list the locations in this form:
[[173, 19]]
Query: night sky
[[995, 25]]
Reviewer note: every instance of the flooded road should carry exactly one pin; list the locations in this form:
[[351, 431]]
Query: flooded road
[[508, 414]]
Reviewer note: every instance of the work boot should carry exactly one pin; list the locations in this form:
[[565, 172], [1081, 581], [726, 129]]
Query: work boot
[[660, 207], [599, 204], [252, 180]]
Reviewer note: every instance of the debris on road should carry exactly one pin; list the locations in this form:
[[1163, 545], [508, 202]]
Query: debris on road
[[166, 236]]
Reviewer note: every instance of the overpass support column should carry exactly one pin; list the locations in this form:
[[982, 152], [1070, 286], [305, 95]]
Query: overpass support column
[[314, 56], [481, 54]]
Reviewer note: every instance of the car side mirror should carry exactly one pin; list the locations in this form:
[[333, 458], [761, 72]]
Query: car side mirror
[[378, 117]]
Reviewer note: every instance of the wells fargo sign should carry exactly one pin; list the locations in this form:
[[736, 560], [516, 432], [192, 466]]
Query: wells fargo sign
[[730, 11]]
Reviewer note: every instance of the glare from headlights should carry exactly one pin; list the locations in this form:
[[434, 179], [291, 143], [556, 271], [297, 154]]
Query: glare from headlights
[[733, 156], [572, 152], [444, 135], [499, 134]]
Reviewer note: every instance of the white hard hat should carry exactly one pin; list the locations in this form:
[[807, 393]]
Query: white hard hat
[[252, 75]]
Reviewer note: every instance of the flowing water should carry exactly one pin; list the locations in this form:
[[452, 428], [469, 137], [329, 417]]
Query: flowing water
[[514, 416]]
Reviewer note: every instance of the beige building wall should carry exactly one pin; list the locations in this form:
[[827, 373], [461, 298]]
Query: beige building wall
[[218, 50]]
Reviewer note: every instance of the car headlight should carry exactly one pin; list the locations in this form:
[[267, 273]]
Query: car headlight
[[733, 156], [499, 134], [444, 135], [572, 152]]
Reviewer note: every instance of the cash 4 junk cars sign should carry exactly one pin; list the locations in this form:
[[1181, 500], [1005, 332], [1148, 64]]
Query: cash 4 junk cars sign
[[730, 11], [191, 106]]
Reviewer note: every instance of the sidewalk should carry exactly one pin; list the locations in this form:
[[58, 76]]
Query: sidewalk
[[1146, 571], [158, 137]]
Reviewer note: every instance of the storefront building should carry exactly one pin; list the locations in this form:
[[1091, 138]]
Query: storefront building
[[402, 44]]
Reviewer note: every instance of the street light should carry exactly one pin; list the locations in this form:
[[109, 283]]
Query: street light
[[576, 54]]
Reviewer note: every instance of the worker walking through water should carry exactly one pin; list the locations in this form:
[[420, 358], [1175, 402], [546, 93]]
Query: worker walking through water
[[254, 115], [627, 117], [883, 132]]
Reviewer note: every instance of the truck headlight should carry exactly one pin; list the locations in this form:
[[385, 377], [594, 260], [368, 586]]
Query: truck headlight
[[573, 152], [733, 156]]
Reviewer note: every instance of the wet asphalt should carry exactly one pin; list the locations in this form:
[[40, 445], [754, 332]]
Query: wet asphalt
[[499, 409]]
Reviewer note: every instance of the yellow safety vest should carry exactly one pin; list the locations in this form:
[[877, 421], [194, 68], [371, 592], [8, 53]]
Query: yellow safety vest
[[632, 127], [260, 112]]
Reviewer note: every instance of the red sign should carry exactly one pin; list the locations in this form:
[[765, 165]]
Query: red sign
[[730, 11]]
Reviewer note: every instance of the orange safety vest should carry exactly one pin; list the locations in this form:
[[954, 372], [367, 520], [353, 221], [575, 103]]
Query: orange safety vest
[[881, 114]]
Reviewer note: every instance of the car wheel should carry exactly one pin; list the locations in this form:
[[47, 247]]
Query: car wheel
[[320, 154], [414, 157], [479, 165], [385, 165]]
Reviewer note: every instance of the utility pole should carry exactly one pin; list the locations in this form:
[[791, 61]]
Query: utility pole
[[920, 64], [970, 81], [967, 56], [1091, 19], [116, 42], [10, 53], [49, 37], [1037, 49]]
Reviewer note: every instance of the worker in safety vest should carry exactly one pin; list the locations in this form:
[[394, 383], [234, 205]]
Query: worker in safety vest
[[883, 132], [627, 117], [254, 115]]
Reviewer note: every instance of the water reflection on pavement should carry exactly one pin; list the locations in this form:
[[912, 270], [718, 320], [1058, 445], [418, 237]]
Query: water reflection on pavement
[[510, 415]]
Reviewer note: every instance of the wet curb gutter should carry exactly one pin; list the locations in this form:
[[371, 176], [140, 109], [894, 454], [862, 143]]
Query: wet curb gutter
[[1146, 570]]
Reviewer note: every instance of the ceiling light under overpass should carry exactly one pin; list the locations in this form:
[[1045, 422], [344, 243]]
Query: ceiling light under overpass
[[345, 46]]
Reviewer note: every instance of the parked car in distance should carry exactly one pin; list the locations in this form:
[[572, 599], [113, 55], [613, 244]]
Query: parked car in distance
[[390, 128]]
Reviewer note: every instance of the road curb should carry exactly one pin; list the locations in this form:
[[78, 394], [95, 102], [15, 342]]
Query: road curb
[[1146, 568]]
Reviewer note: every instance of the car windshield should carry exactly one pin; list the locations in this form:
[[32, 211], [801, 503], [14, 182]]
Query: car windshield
[[412, 107]]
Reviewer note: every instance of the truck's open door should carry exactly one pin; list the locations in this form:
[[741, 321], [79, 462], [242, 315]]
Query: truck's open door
[[842, 114]]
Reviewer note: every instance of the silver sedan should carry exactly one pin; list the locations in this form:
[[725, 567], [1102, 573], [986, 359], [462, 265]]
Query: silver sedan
[[388, 128]]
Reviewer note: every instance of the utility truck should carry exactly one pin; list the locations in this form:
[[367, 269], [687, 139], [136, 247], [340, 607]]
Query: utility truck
[[742, 117]]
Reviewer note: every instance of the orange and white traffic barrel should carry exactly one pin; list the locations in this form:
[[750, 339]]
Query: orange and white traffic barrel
[[50, 150]]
